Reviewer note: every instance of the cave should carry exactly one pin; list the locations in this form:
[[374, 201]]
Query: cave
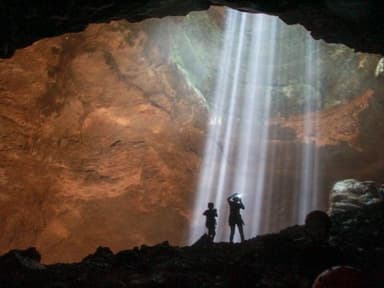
[[121, 121]]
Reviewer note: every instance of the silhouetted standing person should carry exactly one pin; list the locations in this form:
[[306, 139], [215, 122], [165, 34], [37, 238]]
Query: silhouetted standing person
[[210, 222], [235, 204]]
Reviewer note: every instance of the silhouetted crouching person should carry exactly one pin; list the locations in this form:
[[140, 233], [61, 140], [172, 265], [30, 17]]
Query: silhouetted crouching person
[[210, 222], [235, 205]]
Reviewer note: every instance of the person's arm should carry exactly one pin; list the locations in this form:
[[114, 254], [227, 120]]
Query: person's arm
[[205, 213], [241, 204], [230, 197]]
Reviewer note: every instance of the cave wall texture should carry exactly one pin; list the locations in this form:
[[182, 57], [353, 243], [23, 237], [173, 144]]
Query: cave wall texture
[[102, 131], [101, 138]]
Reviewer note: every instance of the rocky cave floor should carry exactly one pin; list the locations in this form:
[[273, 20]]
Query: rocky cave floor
[[286, 259]]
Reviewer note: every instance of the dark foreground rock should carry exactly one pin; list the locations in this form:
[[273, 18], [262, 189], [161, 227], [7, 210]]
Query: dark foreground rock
[[288, 259]]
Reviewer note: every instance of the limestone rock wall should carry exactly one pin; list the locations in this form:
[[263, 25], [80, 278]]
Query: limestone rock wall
[[101, 137]]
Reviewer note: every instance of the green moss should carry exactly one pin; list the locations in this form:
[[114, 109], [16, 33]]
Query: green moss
[[195, 48], [193, 44]]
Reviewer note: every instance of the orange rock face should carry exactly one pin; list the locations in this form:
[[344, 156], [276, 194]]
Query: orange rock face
[[335, 125], [346, 140], [100, 143]]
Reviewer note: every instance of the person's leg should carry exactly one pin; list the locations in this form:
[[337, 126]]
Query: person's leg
[[240, 226], [232, 233], [211, 233]]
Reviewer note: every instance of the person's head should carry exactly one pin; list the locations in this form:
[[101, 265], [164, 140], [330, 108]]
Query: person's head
[[210, 205], [237, 198], [318, 225]]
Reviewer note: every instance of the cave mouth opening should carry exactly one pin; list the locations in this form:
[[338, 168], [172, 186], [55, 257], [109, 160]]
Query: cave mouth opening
[[109, 125]]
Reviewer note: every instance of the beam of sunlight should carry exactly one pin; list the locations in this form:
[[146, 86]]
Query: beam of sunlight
[[310, 167], [237, 155], [211, 158]]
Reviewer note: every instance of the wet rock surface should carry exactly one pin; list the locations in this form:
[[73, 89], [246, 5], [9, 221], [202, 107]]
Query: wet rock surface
[[352, 194], [286, 259]]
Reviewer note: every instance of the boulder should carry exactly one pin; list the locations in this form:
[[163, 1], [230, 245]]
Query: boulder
[[340, 276], [351, 194], [21, 260], [203, 242], [103, 255]]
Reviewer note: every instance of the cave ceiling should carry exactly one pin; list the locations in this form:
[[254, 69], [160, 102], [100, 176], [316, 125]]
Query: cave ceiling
[[355, 23]]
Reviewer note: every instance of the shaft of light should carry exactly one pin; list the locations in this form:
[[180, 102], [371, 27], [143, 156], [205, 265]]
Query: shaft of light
[[310, 166], [237, 154]]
